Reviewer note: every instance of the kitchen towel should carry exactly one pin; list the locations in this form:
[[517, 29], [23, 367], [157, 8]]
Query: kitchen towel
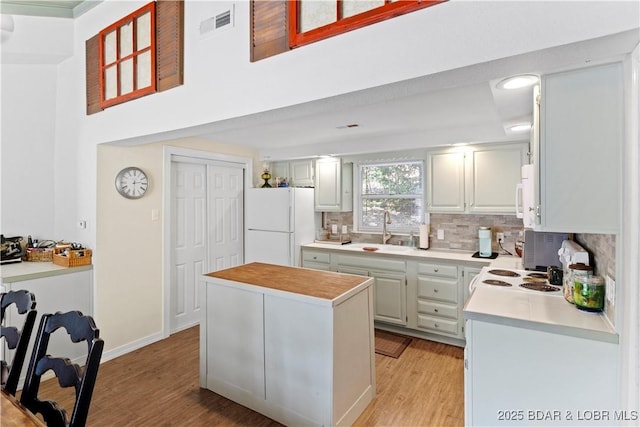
[[424, 236]]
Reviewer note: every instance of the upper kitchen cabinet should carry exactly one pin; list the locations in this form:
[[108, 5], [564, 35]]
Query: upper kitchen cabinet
[[494, 171], [333, 185], [578, 152], [481, 179], [298, 173], [445, 181]]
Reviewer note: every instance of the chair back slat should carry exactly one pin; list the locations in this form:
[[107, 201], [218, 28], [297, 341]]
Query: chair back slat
[[18, 339], [79, 328]]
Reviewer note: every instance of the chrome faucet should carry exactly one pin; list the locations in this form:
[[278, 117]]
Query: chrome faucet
[[386, 219]]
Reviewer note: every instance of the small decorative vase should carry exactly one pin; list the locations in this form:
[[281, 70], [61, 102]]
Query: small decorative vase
[[266, 176]]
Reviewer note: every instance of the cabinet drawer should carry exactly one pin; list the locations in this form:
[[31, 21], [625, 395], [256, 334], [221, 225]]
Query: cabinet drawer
[[438, 270], [316, 265], [438, 289], [438, 324], [314, 256], [436, 309], [372, 263]]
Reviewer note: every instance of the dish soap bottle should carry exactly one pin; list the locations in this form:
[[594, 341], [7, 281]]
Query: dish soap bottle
[[411, 242]]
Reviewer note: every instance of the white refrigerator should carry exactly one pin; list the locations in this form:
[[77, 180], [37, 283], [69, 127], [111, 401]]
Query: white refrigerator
[[278, 221]]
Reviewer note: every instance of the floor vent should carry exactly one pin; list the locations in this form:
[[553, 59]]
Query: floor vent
[[216, 23]]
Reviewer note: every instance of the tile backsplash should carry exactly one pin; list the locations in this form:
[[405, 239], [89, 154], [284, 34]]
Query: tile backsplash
[[460, 230]]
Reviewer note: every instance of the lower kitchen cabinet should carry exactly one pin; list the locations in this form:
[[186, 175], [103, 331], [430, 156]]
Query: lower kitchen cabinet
[[389, 288], [389, 294], [438, 299], [511, 377], [317, 260], [411, 296]]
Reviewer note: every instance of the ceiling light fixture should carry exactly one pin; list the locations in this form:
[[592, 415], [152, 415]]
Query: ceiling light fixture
[[517, 82], [520, 127]]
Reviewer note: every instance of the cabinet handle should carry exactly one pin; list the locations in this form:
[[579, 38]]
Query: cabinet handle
[[435, 291], [435, 270], [436, 325], [435, 310], [315, 257]]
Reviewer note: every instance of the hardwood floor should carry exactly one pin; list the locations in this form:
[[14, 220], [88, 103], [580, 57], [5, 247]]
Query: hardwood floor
[[158, 386]]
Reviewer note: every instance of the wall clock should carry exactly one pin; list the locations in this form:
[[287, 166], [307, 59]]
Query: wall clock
[[132, 182]]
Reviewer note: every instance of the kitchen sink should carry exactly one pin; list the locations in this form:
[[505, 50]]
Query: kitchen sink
[[380, 247]]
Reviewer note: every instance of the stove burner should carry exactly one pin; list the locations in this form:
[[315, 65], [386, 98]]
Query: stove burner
[[540, 287], [538, 275], [496, 282], [530, 279], [506, 273]]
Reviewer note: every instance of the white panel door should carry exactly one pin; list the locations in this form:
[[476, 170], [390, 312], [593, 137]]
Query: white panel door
[[189, 206], [226, 194]]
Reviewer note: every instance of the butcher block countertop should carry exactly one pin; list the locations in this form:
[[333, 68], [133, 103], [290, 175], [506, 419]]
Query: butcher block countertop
[[320, 285]]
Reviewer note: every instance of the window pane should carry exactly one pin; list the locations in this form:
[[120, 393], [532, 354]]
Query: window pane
[[405, 213], [144, 70], [126, 39], [126, 76], [314, 14], [353, 7], [402, 178], [109, 47], [110, 82], [143, 31]]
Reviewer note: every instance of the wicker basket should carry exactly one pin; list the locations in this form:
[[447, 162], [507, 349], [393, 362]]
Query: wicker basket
[[75, 258], [39, 255]]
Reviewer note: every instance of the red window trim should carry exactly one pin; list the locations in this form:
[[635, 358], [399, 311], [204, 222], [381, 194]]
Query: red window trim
[[136, 93], [342, 25]]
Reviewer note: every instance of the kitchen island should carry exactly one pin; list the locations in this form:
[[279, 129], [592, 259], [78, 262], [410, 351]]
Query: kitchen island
[[294, 344]]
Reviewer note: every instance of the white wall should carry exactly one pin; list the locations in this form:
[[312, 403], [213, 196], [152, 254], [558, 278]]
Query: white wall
[[28, 129]]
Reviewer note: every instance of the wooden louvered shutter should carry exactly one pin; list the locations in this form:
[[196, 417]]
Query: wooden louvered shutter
[[169, 44], [92, 73], [269, 34]]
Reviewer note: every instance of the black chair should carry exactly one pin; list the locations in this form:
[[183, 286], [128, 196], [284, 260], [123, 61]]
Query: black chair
[[83, 379], [16, 339]]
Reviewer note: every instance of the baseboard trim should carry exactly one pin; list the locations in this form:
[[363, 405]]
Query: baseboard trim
[[129, 347]]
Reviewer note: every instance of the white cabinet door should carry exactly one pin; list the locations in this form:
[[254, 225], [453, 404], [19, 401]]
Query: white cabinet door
[[494, 172], [302, 173], [581, 135], [298, 173], [390, 297], [333, 186], [280, 170], [445, 181]]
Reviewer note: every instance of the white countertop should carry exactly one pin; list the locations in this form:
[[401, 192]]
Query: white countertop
[[19, 271], [539, 312], [502, 261]]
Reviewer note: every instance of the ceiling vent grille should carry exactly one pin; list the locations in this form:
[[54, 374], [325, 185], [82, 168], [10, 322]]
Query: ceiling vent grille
[[221, 21]]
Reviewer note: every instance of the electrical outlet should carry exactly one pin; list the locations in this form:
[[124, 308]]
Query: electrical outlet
[[440, 234], [82, 224], [500, 237]]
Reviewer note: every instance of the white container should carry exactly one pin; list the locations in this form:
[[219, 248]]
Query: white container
[[484, 237]]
